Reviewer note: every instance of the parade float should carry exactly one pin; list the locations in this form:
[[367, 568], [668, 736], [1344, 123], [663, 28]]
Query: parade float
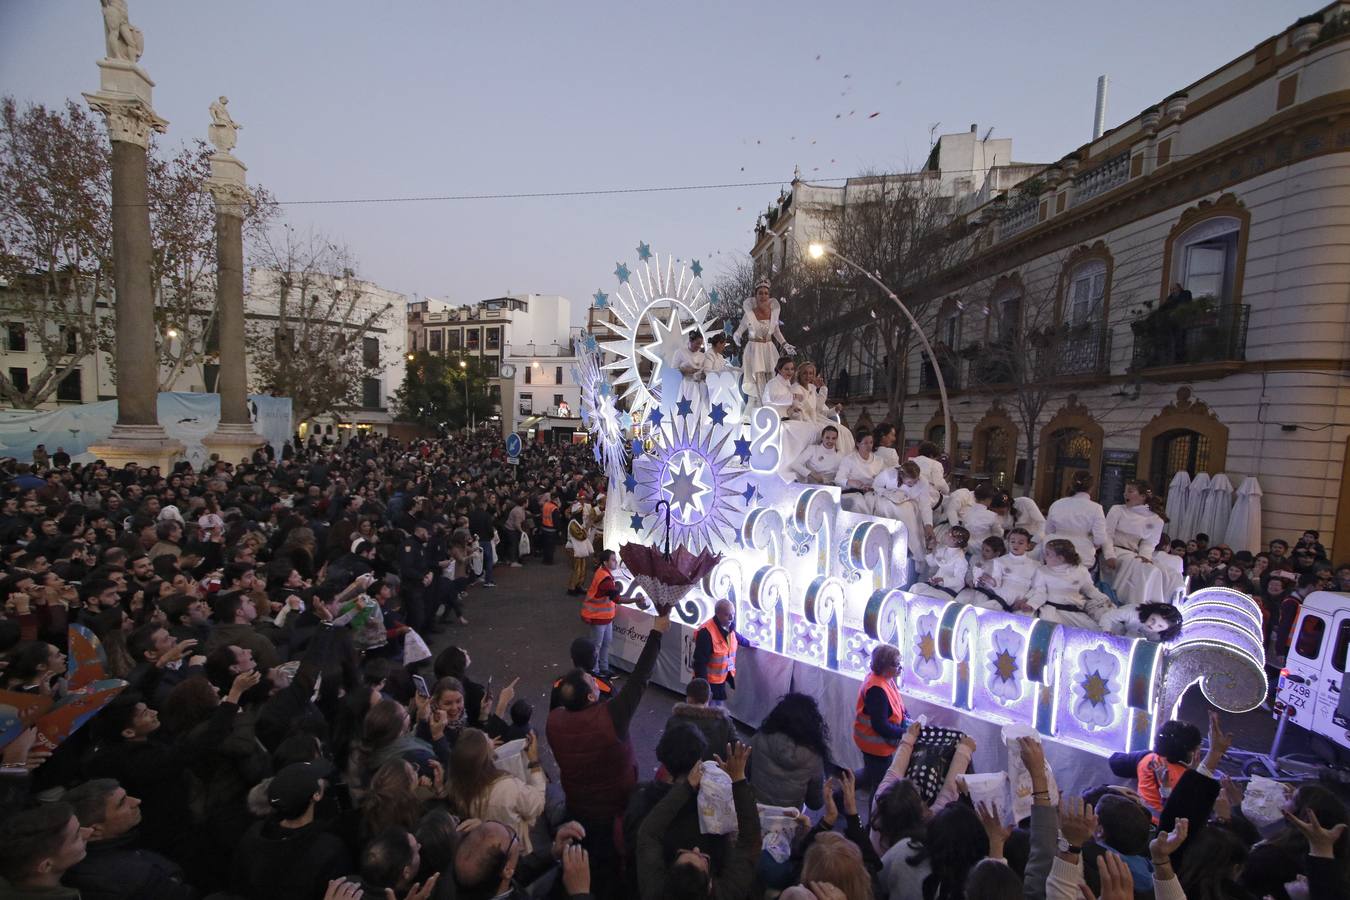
[[815, 587]]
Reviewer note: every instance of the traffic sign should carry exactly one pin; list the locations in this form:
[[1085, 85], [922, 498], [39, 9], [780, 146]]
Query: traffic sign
[[513, 445]]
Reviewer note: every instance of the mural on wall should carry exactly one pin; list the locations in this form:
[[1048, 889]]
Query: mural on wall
[[822, 585]]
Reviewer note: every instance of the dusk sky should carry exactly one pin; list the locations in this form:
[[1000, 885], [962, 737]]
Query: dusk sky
[[351, 100]]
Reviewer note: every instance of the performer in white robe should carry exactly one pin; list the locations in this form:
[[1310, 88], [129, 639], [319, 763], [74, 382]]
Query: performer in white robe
[[930, 466], [1008, 584], [856, 473], [819, 463], [691, 360], [1063, 591], [757, 334], [979, 519], [719, 378], [1079, 519], [900, 493], [1133, 530], [947, 567], [884, 437], [810, 391], [795, 434], [1024, 513]]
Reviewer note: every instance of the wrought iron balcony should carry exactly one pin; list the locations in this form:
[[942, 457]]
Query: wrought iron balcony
[[951, 371], [1191, 337], [1078, 350], [1100, 179]]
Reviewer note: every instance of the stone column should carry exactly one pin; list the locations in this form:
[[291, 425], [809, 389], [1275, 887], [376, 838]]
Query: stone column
[[234, 438], [124, 101]]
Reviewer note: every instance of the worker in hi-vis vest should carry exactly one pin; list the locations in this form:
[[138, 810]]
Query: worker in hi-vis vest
[[879, 721], [598, 608], [715, 646]]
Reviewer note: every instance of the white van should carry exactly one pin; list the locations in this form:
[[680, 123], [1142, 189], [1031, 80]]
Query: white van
[[1314, 684]]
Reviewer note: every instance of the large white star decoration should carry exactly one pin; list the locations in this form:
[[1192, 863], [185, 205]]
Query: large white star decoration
[[686, 486], [667, 338]]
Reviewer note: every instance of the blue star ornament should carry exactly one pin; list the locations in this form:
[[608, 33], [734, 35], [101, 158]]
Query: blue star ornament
[[621, 272], [749, 493], [638, 449], [655, 417], [630, 482], [590, 343], [714, 297], [601, 299], [605, 389], [743, 448], [644, 251], [684, 407], [697, 268], [635, 521], [718, 414]]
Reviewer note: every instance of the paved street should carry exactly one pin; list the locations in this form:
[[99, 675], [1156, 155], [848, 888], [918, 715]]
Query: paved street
[[524, 627]]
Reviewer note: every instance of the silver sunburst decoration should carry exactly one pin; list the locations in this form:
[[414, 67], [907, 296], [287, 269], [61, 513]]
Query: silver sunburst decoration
[[693, 467], [656, 304], [599, 412]]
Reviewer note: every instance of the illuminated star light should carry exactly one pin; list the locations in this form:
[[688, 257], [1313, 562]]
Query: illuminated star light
[[685, 407], [644, 251], [601, 299], [687, 488], [621, 272], [691, 467], [718, 414]]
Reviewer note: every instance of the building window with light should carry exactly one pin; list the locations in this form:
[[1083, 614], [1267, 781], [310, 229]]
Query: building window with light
[[494, 338], [471, 336], [527, 404]]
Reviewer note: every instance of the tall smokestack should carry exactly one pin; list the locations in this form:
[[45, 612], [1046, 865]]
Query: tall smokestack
[[1099, 119]]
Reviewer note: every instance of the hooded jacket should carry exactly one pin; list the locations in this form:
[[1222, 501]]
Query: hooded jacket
[[785, 773], [275, 863]]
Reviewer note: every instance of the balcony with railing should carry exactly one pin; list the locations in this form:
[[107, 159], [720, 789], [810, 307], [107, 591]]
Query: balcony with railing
[[1204, 335], [951, 371], [1078, 350], [991, 365], [1020, 215], [1100, 179]]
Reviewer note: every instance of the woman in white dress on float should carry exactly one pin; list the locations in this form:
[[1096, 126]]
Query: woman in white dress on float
[[1133, 529], [810, 391], [1079, 519], [796, 435], [857, 473], [884, 437], [761, 337]]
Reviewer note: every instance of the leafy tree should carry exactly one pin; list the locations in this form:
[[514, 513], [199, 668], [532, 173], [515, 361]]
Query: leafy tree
[[55, 248], [434, 390]]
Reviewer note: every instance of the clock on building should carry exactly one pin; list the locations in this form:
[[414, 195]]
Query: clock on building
[[508, 370]]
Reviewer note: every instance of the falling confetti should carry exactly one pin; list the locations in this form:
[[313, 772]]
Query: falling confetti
[[838, 115], [852, 111], [806, 328], [848, 76], [817, 57], [813, 142], [874, 115]]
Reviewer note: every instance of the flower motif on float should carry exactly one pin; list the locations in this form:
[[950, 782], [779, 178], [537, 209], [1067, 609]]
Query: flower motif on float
[[1094, 685], [926, 663], [1005, 674]]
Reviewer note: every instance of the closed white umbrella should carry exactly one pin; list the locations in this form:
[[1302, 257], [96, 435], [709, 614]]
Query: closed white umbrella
[[1176, 503], [1244, 524], [1217, 508], [1195, 501]]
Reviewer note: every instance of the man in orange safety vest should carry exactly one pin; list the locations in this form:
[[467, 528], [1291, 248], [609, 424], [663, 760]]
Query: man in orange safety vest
[[715, 646]]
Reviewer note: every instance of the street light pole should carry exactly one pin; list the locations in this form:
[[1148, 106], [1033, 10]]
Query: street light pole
[[464, 370], [818, 251]]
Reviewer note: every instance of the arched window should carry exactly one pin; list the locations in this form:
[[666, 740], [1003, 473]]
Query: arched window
[[1087, 288], [1177, 451], [1205, 258], [1005, 315]]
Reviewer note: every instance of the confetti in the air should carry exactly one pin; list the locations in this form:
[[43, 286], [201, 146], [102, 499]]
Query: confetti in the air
[[874, 115]]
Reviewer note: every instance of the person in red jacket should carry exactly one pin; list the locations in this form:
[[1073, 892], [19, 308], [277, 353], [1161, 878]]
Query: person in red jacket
[[595, 757]]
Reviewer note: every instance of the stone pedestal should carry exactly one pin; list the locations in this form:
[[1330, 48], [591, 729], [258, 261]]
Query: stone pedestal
[[124, 101], [232, 442]]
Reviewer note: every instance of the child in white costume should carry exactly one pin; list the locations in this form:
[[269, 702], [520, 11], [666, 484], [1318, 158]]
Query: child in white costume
[[1063, 591], [979, 519], [991, 550], [1133, 530], [900, 493], [947, 567], [1008, 584], [758, 332]]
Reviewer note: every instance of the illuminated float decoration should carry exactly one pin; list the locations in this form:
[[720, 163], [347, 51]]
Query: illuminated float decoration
[[823, 586]]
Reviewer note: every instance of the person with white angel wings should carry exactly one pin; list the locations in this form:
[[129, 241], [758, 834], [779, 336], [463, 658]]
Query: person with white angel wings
[[761, 337]]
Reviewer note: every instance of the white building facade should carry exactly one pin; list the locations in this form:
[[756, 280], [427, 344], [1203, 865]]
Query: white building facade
[[1235, 190]]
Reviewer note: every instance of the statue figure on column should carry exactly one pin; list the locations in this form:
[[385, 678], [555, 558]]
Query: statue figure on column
[[125, 41], [223, 132]]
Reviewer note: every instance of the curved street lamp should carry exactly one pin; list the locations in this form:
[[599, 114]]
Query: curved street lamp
[[818, 251]]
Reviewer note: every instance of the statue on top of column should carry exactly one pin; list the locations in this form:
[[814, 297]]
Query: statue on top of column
[[125, 41], [223, 130]]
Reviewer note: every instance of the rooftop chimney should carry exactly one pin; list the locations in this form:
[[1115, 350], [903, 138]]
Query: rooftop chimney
[[1099, 118], [974, 127]]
